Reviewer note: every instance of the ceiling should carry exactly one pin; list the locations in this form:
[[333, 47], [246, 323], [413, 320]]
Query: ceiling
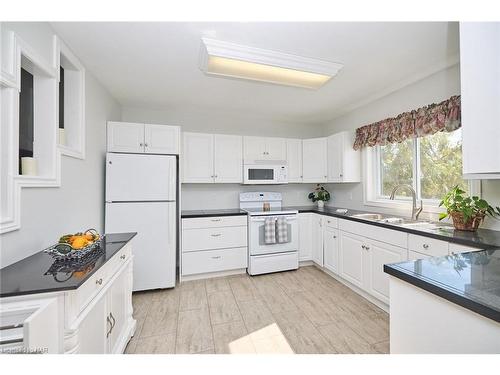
[[155, 65]]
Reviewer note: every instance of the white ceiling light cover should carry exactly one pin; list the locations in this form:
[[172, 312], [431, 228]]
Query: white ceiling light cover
[[233, 60]]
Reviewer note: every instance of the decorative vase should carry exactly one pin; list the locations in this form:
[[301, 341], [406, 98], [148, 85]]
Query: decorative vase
[[321, 204], [470, 225], [28, 166], [62, 137]]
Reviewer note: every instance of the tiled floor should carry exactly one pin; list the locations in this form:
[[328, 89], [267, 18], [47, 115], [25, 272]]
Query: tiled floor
[[303, 311]]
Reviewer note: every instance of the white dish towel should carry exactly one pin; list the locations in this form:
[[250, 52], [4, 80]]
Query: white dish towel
[[282, 229], [270, 230]]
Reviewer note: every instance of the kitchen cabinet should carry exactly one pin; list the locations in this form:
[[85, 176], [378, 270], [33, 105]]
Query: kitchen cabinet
[[264, 148], [317, 239], [139, 138], [480, 95], [344, 163], [427, 246], [93, 329], [211, 158], [305, 237], [294, 160], [331, 249], [314, 160], [352, 249]]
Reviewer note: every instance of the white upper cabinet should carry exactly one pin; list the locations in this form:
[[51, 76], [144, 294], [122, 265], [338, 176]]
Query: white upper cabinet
[[480, 90], [197, 158], [228, 158], [344, 163], [161, 139], [294, 159], [125, 137], [141, 138], [209, 158], [314, 160], [264, 148]]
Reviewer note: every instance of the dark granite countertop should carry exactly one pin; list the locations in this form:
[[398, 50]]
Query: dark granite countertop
[[471, 280], [185, 214], [37, 274]]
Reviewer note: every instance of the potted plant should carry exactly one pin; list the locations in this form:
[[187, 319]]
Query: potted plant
[[320, 195], [466, 212]]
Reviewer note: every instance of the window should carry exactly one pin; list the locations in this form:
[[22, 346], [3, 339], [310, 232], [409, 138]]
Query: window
[[61, 97], [26, 116], [431, 165]]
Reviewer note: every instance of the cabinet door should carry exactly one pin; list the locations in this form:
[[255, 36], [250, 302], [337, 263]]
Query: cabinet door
[[317, 240], [334, 145], [294, 159], [331, 249], [228, 158], [254, 148], [378, 254], [351, 258], [198, 158], [275, 149], [125, 137], [480, 90], [161, 139], [314, 158], [118, 300], [93, 329], [305, 239]]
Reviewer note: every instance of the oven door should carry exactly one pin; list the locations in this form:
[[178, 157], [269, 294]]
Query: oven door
[[259, 174], [257, 244]]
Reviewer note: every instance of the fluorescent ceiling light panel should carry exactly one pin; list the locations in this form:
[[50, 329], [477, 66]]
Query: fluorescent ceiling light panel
[[233, 60]]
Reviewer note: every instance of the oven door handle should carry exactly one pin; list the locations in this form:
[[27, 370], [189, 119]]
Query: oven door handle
[[289, 218]]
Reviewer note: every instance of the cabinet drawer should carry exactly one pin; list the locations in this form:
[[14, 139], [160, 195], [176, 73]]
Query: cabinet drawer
[[88, 290], [389, 236], [213, 238], [331, 222], [117, 261], [457, 249], [427, 246], [212, 222], [214, 260]]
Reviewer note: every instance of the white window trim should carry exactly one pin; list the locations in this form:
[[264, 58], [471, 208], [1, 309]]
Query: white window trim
[[371, 184]]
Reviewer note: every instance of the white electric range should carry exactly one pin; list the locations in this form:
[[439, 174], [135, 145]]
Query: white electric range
[[269, 257]]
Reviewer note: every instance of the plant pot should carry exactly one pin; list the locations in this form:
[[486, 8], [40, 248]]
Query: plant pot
[[470, 225], [321, 204]]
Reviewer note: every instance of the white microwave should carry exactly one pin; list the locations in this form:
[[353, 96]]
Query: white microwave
[[259, 172]]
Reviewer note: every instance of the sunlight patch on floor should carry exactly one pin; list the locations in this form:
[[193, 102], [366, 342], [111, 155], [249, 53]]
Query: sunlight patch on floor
[[267, 340]]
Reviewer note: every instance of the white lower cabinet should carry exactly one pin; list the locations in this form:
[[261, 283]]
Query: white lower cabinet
[[93, 329], [305, 237], [351, 258], [331, 249], [317, 239]]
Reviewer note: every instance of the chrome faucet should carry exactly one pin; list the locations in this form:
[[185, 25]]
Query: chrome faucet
[[415, 211]]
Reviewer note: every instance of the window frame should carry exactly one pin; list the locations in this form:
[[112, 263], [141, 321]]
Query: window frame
[[372, 183]]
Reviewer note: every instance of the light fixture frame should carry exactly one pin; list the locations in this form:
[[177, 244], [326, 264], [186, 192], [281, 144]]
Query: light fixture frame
[[229, 50]]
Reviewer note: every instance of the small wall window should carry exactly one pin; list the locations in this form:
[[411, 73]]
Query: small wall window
[[61, 97], [26, 117]]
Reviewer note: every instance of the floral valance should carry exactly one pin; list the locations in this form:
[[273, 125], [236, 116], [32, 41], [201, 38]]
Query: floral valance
[[432, 118]]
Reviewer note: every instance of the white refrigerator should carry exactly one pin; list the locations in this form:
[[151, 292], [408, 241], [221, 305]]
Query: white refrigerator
[[141, 193]]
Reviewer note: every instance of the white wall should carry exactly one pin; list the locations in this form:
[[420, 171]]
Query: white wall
[[210, 196], [78, 204]]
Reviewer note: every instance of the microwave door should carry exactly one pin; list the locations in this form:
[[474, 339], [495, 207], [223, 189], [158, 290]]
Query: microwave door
[[261, 174]]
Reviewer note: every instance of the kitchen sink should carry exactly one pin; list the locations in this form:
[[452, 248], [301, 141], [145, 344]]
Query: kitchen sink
[[368, 216], [423, 225]]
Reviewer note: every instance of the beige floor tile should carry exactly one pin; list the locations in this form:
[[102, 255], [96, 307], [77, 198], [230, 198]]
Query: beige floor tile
[[194, 332], [288, 281], [229, 338], [382, 347], [217, 284], [243, 288], [301, 334], [373, 328], [223, 307], [140, 303], [344, 340], [276, 299], [161, 344], [256, 314], [318, 312], [272, 345], [193, 298]]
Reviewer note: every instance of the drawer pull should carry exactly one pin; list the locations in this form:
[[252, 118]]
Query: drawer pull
[[363, 246], [216, 234], [425, 246], [217, 257], [98, 282], [122, 256], [215, 220], [108, 320], [367, 247]]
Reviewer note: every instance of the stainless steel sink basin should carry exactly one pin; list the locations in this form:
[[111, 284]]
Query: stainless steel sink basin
[[368, 216], [423, 225]]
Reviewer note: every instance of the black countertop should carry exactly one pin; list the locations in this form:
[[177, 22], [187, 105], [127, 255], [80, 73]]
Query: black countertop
[[38, 272], [211, 213], [471, 280]]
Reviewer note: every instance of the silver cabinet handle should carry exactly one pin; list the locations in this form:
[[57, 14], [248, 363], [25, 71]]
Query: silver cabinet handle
[[367, 247], [216, 220], [99, 281], [425, 246], [363, 246], [216, 257], [215, 234], [334, 236], [108, 320], [340, 175], [215, 176], [113, 323], [122, 256], [141, 144], [145, 145]]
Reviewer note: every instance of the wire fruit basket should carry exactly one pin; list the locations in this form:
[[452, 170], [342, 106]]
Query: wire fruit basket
[[66, 250]]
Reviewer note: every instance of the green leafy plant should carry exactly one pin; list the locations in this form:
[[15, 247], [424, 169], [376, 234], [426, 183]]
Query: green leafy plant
[[319, 194], [456, 201]]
